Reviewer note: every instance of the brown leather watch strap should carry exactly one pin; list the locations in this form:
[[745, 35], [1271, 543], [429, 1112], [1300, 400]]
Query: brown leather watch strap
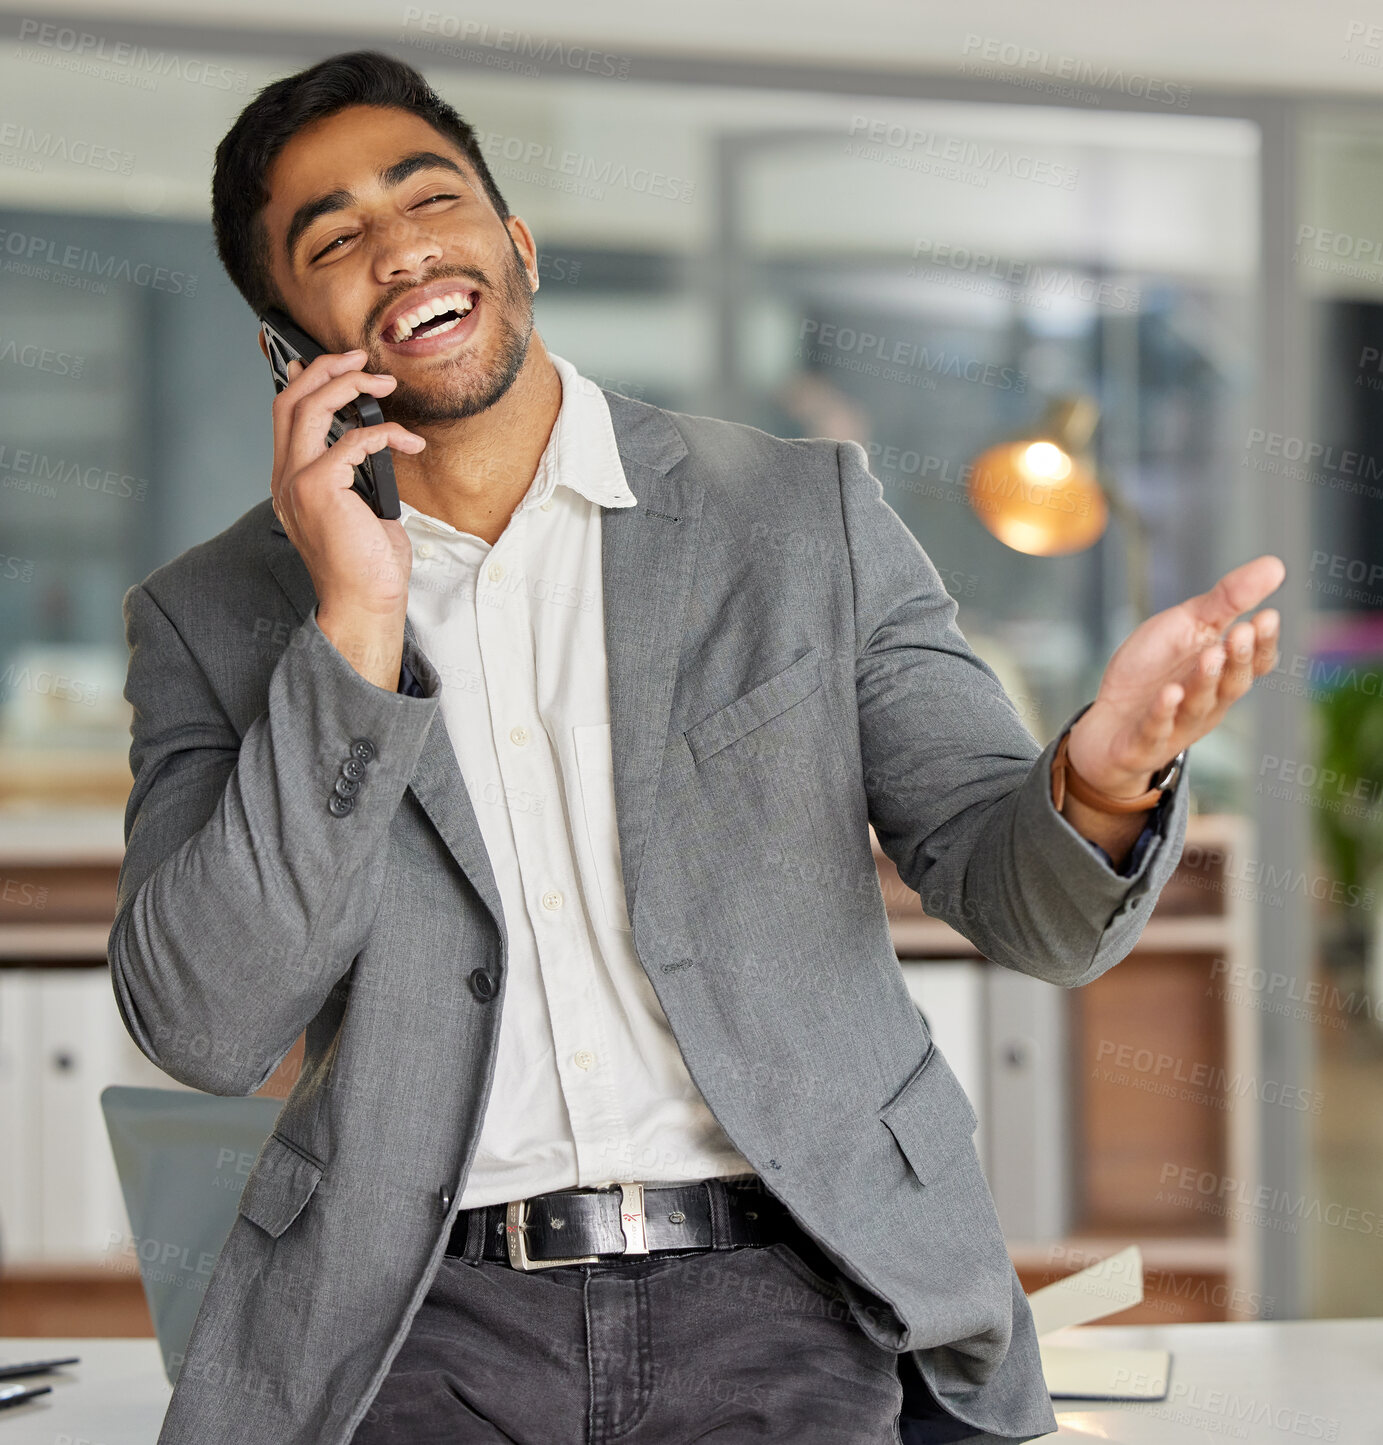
[[1065, 778]]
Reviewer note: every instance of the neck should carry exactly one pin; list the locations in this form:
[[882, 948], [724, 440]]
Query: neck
[[476, 469]]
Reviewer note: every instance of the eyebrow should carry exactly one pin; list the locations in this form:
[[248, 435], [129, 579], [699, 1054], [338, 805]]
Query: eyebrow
[[394, 174]]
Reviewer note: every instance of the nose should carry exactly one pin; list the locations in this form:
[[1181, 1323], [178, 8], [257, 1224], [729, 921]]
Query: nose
[[404, 249]]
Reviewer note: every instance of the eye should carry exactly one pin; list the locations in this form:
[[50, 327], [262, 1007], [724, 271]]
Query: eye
[[336, 241], [329, 247]]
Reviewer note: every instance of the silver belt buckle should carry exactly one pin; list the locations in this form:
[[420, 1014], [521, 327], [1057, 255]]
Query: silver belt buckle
[[631, 1218], [515, 1223]]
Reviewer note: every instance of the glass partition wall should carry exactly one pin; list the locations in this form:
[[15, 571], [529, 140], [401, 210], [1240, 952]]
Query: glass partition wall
[[921, 276]]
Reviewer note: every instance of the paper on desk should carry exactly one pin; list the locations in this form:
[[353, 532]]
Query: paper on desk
[[1105, 1288], [1073, 1373], [1079, 1372]]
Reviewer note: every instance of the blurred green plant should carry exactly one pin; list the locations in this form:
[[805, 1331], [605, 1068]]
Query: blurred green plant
[[1349, 751]]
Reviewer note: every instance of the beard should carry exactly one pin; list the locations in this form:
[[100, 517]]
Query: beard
[[467, 385]]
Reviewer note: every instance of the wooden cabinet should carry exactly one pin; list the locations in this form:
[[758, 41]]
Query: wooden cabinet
[[1157, 1083], [67, 1263]]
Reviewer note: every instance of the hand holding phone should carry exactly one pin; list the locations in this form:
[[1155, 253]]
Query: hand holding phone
[[359, 562], [285, 341]]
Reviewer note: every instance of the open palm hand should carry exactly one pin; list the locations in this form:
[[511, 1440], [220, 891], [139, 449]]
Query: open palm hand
[[1174, 677]]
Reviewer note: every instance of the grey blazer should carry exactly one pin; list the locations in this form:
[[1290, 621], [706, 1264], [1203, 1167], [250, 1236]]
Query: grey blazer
[[784, 669]]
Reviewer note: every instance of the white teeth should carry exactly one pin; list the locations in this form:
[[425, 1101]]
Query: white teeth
[[407, 324]]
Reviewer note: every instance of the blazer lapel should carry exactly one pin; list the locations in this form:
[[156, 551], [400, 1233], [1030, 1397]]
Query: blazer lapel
[[648, 555], [648, 559]]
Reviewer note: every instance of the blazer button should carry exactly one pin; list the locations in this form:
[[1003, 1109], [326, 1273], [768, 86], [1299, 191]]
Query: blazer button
[[363, 749], [483, 985], [353, 768], [346, 787], [340, 806], [444, 1198]]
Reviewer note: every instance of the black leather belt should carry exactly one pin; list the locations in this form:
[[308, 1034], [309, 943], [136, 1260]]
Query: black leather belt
[[581, 1226]]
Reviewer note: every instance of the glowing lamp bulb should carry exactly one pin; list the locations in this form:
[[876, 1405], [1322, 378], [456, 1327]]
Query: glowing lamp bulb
[[1046, 462]]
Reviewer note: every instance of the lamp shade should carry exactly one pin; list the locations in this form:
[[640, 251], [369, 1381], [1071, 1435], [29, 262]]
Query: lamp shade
[[1038, 493]]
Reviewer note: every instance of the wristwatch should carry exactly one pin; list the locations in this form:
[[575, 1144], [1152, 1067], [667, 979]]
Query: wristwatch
[[1065, 777]]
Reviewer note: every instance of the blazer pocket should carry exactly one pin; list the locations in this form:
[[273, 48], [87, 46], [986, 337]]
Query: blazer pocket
[[280, 1183], [931, 1116], [754, 708]]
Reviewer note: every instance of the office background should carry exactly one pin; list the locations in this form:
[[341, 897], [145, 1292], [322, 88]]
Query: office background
[[913, 229]]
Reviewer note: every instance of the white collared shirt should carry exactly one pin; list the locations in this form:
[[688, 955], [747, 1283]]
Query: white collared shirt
[[589, 1085]]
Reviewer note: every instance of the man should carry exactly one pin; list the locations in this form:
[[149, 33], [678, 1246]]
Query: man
[[549, 826]]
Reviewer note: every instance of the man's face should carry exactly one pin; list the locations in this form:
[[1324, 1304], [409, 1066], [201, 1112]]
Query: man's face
[[372, 214]]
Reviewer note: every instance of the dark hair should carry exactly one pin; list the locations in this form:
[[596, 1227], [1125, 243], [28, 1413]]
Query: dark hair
[[277, 113]]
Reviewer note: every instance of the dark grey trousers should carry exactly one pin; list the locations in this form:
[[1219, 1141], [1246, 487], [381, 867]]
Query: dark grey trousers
[[738, 1345]]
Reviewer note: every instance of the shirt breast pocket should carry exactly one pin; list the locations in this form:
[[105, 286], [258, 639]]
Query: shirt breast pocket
[[596, 769]]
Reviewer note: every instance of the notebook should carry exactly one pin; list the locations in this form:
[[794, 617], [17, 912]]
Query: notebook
[[1088, 1372]]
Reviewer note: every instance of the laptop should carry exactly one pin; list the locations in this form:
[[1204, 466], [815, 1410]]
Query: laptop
[[183, 1158]]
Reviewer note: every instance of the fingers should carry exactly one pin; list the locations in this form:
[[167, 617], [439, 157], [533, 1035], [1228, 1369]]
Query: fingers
[[302, 380], [280, 436], [1203, 684], [1238, 591], [1266, 625], [332, 471], [311, 419], [1160, 720], [1225, 670], [1237, 676], [359, 442], [1250, 651], [309, 378]]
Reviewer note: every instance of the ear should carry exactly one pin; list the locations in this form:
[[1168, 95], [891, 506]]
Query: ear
[[262, 346], [522, 239]]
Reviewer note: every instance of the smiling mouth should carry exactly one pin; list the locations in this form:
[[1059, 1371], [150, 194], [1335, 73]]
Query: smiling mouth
[[432, 318]]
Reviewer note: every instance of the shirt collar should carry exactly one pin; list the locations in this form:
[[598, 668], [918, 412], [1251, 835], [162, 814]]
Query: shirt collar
[[581, 453]]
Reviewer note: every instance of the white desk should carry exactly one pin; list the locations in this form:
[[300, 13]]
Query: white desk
[[117, 1395], [1267, 1384]]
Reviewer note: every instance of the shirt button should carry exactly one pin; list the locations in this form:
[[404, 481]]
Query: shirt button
[[585, 1059], [424, 550], [495, 571], [552, 899], [518, 736], [546, 506]]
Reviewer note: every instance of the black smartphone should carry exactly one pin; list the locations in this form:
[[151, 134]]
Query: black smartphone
[[374, 477]]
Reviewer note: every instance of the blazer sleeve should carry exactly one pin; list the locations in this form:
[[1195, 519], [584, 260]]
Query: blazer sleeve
[[245, 891], [959, 791]]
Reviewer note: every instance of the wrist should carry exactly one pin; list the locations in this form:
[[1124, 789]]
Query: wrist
[[1083, 756], [372, 644], [348, 603]]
